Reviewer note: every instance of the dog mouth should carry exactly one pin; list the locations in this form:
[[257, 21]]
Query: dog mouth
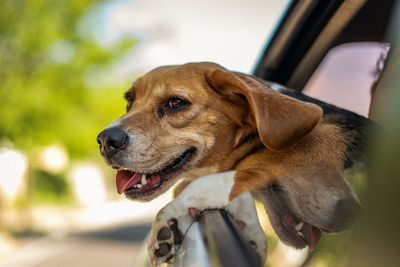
[[297, 232], [136, 183]]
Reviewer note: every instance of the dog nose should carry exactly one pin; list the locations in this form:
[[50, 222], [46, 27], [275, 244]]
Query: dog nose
[[112, 140], [346, 210]]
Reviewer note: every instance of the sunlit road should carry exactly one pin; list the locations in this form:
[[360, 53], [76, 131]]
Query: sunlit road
[[117, 246], [102, 235]]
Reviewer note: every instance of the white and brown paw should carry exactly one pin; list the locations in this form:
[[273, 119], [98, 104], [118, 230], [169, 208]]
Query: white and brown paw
[[167, 234]]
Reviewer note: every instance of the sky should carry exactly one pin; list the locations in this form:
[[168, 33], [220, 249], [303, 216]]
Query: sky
[[229, 32]]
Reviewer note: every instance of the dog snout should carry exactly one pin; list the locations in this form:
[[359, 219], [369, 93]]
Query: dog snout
[[346, 210], [112, 140]]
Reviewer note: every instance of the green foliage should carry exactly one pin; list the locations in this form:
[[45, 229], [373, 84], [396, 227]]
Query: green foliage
[[50, 188], [52, 72]]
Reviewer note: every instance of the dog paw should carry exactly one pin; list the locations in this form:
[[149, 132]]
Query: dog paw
[[167, 234], [243, 212]]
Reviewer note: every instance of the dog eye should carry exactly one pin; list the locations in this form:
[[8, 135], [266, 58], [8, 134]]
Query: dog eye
[[177, 104], [130, 97]]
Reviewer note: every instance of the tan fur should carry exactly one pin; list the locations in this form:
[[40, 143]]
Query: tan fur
[[324, 147]]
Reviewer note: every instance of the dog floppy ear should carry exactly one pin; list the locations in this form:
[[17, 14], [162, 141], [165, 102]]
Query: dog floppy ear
[[280, 120]]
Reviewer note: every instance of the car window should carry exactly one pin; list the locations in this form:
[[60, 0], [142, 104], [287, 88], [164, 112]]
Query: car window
[[347, 73]]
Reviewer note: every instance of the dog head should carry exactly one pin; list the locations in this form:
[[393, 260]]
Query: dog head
[[301, 208], [173, 124]]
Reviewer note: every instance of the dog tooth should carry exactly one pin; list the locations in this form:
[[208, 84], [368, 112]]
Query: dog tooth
[[299, 226], [300, 234], [139, 186], [144, 180]]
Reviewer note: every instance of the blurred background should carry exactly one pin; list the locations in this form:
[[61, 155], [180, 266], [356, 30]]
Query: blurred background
[[64, 65]]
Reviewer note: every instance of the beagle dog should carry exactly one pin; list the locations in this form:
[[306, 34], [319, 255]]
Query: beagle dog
[[244, 136]]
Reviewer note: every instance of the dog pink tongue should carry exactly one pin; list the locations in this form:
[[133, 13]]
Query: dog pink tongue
[[312, 234], [125, 179]]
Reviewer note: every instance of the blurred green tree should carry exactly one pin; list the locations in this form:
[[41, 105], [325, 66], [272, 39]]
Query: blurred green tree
[[52, 72]]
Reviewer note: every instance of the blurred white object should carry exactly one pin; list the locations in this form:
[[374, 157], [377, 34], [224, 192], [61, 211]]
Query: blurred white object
[[54, 158], [62, 51], [284, 256], [13, 165], [88, 184]]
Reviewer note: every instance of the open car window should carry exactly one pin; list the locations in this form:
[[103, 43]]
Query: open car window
[[346, 75]]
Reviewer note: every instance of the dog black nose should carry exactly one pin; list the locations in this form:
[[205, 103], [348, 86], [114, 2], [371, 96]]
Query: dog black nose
[[112, 140], [346, 209]]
